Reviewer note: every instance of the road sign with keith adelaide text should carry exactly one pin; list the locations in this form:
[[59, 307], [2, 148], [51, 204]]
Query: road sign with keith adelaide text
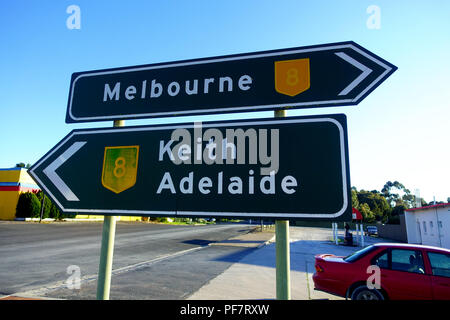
[[279, 168], [336, 74]]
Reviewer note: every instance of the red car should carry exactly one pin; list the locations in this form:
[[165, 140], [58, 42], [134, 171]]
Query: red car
[[386, 271]]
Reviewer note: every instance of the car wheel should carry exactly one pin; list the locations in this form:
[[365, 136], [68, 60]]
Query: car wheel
[[364, 293]]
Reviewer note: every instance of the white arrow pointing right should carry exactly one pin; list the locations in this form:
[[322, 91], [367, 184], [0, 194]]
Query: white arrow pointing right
[[55, 179], [365, 72]]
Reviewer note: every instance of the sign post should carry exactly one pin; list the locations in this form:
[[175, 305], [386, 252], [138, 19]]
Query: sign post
[[283, 262], [107, 249], [106, 258]]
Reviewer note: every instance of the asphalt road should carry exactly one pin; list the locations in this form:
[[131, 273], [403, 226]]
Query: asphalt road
[[151, 261]]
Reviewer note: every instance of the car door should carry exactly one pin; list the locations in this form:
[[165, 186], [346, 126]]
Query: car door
[[403, 274], [440, 278]]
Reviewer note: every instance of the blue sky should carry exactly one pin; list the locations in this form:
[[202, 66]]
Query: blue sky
[[399, 132]]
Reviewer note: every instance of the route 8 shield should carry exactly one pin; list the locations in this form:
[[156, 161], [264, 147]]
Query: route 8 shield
[[120, 168], [292, 77]]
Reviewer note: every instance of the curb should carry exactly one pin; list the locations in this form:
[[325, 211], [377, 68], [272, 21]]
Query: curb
[[266, 243], [14, 297]]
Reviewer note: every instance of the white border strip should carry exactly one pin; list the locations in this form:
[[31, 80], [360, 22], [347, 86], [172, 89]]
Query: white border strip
[[206, 213]]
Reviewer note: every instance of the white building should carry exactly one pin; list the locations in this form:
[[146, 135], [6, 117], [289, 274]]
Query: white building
[[429, 225]]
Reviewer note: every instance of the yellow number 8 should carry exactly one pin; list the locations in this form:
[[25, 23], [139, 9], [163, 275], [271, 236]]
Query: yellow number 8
[[292, 77], [119, 169]]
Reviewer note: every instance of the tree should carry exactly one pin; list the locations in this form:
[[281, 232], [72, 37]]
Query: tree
[[368, 215], [384, 206], [28, 206], [377, 203], [355, 202], [372, 205], [391, 191], [50, 209], [394, 216], [397, 194], [23, 165]]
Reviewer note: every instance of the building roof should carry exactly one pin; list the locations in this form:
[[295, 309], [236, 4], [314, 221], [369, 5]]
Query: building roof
[[440, 205]]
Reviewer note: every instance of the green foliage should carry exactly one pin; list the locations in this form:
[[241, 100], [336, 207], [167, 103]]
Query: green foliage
[[372, 205], [355, 202], [394, 216], [367, 214], [50, 209], [384, 206], [183, 220], [47, 205], [28, 206], [397, 194], [23, 165]]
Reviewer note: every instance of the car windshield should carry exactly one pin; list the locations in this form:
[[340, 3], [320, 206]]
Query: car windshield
[[359, 254]]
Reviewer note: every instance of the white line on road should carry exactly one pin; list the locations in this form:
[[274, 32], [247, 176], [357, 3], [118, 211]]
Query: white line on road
[[42, 291]]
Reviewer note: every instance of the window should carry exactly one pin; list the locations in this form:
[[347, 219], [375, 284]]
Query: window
[[424, 227], [359, 254], [407, 260], [382, 260], [440, 264]]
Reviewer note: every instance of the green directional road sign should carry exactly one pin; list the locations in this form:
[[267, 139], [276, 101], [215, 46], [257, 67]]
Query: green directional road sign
[[335, 74], [290, 168]]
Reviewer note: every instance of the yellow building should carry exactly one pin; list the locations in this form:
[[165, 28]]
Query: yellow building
[[13, 182]]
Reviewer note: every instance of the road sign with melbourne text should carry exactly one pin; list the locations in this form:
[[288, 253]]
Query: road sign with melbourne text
[[336, 74]]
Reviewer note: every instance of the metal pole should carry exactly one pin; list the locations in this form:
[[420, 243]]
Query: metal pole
[[283, 264], [282, 260], [41, 213], [107, 249], [336, 232], [362, 235], [333, 226], [357, 233], [106, 257]]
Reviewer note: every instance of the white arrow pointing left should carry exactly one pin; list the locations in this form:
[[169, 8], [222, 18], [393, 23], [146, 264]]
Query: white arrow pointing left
[[55, 179]]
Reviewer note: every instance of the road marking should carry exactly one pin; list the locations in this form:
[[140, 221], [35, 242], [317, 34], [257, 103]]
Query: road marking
[[42, 291]]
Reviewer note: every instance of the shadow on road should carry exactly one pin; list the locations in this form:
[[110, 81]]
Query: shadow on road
[[302, 254], [198, 242]]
